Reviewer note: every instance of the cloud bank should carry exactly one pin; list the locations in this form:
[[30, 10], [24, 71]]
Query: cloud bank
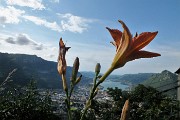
[[10, 15], [34, 4], [74, 23], [24, 40], [42, 22], [60, 23]]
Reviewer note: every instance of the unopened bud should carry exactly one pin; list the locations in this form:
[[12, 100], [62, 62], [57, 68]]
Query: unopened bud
[[78, 79], [61, 67], [98, 68], [75, 69], [125, 111]]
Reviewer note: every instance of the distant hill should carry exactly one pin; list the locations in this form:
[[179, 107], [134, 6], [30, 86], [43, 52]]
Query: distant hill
[[163, 81], [128, 79], [31, 67], [88, 74], [131, 79]]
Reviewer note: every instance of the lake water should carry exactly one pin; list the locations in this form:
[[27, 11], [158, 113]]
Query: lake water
[[112, 84]]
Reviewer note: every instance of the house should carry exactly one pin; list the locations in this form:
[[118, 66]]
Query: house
[[178, 89]]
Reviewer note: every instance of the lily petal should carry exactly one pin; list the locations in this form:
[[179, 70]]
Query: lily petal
[[120, 55], [142, 54], [116, 35], [61, 43], [126, 30], [142, 40]]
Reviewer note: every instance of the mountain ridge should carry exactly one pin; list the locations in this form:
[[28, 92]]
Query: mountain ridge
[[163, 81], [32, 67]]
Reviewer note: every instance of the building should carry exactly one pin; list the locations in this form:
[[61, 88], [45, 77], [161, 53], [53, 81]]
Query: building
[[178, 89]]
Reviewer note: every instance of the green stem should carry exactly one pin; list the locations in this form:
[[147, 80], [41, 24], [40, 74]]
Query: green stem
[[108, 72], [68, 106], [71, 90], [84, 112], [88, 104]]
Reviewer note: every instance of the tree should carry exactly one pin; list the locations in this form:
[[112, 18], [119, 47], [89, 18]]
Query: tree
[[147, 103], [25, 104]]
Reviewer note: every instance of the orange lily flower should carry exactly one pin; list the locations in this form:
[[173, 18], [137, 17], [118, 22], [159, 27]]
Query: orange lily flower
[[128, 48], [61, 58]]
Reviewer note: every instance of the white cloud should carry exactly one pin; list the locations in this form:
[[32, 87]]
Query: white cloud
[[10, 15], [24, 44], [35, 4], [74, 23], [54, 1], [24, 40], [68, 22], [38, 21]]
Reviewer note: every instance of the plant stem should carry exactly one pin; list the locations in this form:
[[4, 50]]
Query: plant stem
[[88, 103], [68, 96], [68, 106], [71, 90], [108, 72]]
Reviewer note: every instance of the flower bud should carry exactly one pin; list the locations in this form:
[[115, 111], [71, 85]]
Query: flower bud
[[125, 111], [61, 67], [98, 68], [75, 69]]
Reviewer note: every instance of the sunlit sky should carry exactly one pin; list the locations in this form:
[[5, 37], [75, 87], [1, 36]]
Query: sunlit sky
[[35, 26]]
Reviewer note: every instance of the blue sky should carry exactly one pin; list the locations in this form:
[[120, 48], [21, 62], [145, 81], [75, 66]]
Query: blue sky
[[35, 26]]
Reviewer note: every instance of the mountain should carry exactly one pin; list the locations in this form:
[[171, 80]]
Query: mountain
[[163, 81], [128, 79], [31, 67], [131, 79], [88, 74]]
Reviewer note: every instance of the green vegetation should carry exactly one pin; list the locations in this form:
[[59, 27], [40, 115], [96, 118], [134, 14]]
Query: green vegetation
[[146, 103], [25, 103]]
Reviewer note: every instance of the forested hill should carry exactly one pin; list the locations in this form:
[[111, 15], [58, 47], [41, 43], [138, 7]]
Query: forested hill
[[31, 67], [164, 81]]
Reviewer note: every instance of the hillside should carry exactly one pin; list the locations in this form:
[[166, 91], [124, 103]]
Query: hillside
[[127, 79], [163, 81], [31, 67], [131, 79]]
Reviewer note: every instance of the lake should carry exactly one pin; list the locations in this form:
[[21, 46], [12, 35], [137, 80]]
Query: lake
[[112, 84]]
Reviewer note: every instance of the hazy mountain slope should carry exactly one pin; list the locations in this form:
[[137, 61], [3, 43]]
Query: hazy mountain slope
[[163, 81], [31, 67], [124, 79]]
